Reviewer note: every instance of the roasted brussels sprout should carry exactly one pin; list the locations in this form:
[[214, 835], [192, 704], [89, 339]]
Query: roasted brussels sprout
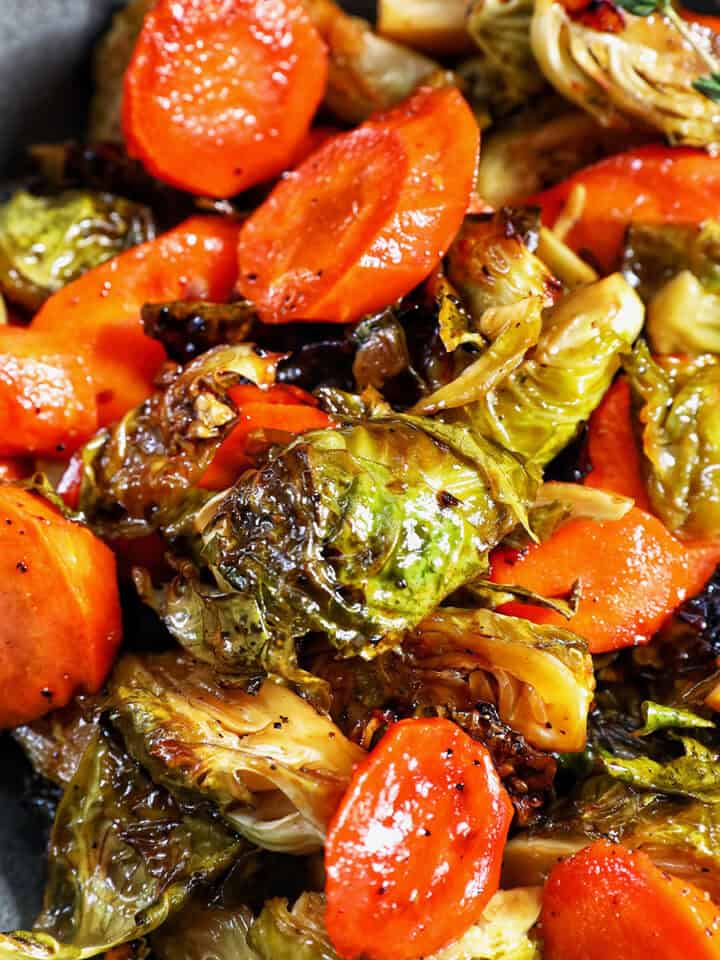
[[139, 475], [539, 407], [540, 677], [492, 264], [355, 533], [642, 73], [366, 72], [45, 242], [273, 767], [677, 404], [187, 328], [505, 74], [539, 147], [123, 857]]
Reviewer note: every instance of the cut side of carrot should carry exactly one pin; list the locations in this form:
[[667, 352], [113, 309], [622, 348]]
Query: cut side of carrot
[[50, 651], [220, 93], [606, 901], [366, 218]]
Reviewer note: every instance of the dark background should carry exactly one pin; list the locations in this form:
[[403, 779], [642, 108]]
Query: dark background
[[44, 87]]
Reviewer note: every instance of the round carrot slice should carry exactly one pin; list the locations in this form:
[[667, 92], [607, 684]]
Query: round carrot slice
[[608, 902], [415, 848], [220, 93], [366, 218]]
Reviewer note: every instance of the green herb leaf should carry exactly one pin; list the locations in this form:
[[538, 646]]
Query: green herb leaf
[[709, 86], [659, 717]]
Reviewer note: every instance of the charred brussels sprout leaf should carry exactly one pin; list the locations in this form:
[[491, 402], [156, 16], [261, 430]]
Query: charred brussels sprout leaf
[[504, 75], [678, 408], [139, 475], [55, 743], [355, 533], [187, 328], [540, 677], [123, 857], [45, 242], [298, 934], [273, 767], [539, 407], [203, 932], [659, 717], [695, 774], [640, 73], [491, 262]]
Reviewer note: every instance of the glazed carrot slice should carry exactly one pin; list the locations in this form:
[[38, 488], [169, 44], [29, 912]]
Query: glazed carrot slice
[[652, 184], [220, 93], [280, 409], [612, 448], [366, 217], [47, 397], [51, 650], [14, 468], [414, 851], [606, 901], [632, 573], [98, 315]]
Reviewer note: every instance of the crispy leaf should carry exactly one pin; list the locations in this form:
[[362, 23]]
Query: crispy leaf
[[677, 405], [659, 717], [695, 774], [45, 242], [273, 767], [122, 858], [187, 328]]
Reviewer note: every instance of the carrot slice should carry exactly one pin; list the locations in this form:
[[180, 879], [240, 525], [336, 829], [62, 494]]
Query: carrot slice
[[415, 848], [652, 184], [220, 93], [47, 398], [13, 468], [98, 315], [609, 902], [632, 572], [281, 409], [49, 651], [366, 217], [612, 448]]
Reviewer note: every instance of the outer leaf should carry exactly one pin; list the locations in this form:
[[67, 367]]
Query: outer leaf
[[354, 533], [655, 253], [695, 774], [274, 768], [122, 858], [539, 407], [677, 404], [45, 242], [659, 717], [540, 677]]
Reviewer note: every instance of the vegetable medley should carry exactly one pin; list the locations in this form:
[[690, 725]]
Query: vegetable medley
[[360, 485]]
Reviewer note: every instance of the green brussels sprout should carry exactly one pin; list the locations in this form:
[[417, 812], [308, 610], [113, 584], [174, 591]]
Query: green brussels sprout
[[491, 262], [140, 475], [539, 407], [205, 932], [355, 533], [298, 934], [642, 74], [274, 767], [45, 242], [504, 75], [676, 401], [540, 677], [123, 856]]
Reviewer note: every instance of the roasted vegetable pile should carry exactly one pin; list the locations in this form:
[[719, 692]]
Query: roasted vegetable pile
[[360, 485]]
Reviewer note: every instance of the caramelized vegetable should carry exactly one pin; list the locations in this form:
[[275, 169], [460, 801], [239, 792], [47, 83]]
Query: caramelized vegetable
[[49, 651], [416, 845], [263, 76]]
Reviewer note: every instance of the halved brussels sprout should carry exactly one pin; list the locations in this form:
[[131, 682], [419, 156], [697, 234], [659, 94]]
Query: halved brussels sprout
[[540, 406], [140, 475], [641, 75], [45, 242], [274, 767], [505, 74], [540, 677], [355, 533], [683, 318], [123, 856], [678, 404]]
